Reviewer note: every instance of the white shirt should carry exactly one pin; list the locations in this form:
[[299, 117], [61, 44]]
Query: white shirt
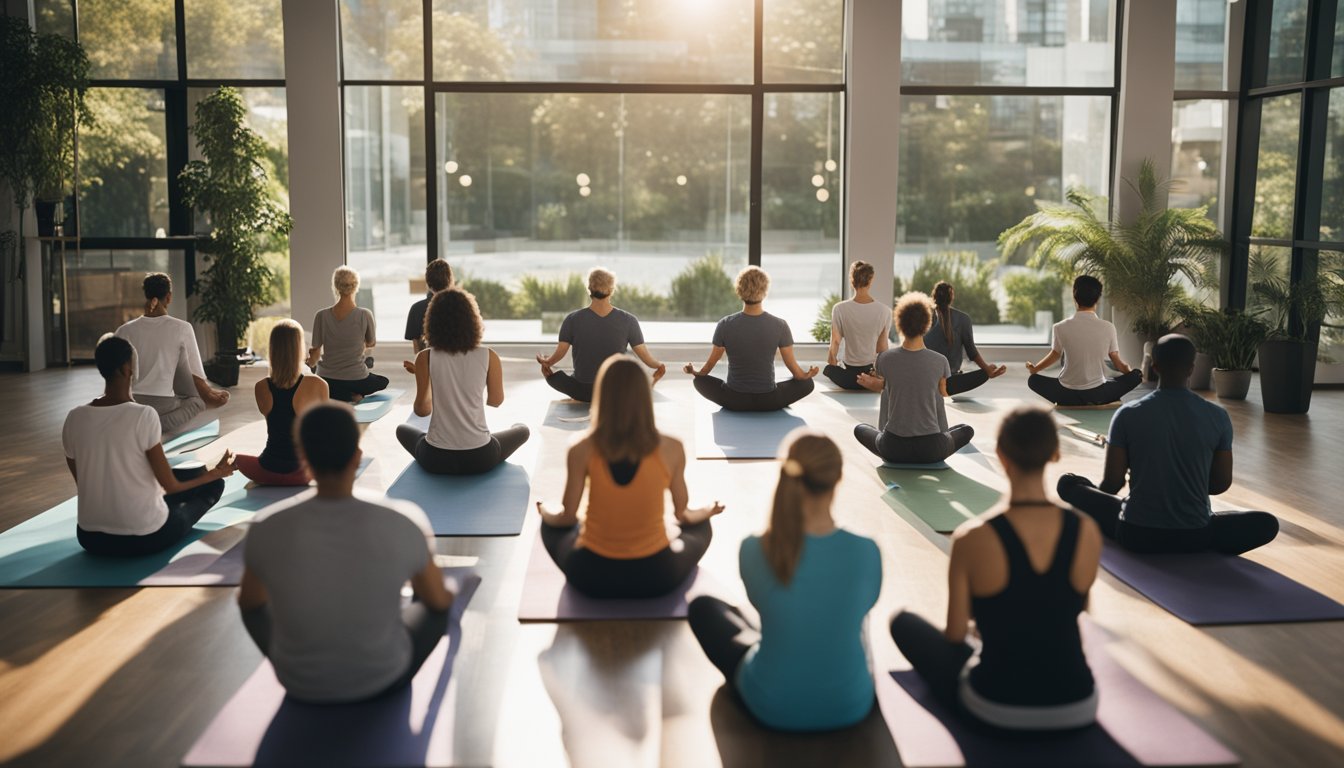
[[118, 492], [860, 326], [457, 422], [161, 344], [1085, 341]]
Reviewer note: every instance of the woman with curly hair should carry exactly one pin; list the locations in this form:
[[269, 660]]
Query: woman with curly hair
[[912, 423], [455, 378]]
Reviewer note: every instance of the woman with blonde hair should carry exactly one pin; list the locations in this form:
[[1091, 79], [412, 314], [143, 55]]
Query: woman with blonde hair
[[281, 397], [750, 338], [342, 335], [619, 547], [804, 667]]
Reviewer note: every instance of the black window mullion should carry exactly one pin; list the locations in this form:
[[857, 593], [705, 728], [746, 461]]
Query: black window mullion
[[757, 135], [431, 148]]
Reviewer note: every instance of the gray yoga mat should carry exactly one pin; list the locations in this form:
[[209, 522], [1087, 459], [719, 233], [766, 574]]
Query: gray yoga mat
[[1135, 727], [1209, 588], [410, 728], [724, 434], [191, 440], [941, 499], [489, 504], [376, 406]]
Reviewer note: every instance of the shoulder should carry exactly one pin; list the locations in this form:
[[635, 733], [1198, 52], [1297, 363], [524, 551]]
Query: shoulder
[[268, 518], [578, 313], [959, 317], [973, 533], [750, 549], [261, 387], [580, 449], [864, 546], [671, 447], [365, 313]]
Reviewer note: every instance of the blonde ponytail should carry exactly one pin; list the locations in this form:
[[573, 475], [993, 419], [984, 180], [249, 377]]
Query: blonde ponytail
[[811, 467]]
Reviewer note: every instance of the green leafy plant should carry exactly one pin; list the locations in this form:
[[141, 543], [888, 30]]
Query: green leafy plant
[[493, 298], [970, 277], [1292, 309], [704, 291], [821, 326], [536, 295], [1232, 337], [642, 302], [246, 220], [1032, 292], [1139, 261]]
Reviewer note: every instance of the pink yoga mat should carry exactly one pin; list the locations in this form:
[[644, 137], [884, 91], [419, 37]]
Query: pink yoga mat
[[1135, 727]]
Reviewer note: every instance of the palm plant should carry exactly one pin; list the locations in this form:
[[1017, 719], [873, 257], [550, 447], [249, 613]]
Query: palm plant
[[1139, 261], [1280, 301]]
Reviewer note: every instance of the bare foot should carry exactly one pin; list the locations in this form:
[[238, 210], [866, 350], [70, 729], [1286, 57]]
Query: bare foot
[[355, 399]]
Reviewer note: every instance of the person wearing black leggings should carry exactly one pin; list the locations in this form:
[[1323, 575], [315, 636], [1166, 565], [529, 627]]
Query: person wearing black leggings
[[1176, 448], [1022, 573], [1084, 342], [952, 335], [862, 324], [620, 548]]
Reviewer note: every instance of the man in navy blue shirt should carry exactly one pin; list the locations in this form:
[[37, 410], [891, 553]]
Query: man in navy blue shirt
[[1177, 450]]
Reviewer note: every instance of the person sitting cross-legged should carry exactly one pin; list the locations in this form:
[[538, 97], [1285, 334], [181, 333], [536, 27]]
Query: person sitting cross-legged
[[438, 277], [342, 335], [281, 396], [953, 337], [863, 325], [112, 448], [1176, 448], [324, 572], [1084, 341]]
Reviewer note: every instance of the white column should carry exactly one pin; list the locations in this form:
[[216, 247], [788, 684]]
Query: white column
[[316, 188], [872, 145], [1147, 84]]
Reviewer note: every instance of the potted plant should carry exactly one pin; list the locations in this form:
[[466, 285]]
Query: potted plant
[[246, 220], [1232, 338], [1138, 261], [1294, 313], [1196, 320]]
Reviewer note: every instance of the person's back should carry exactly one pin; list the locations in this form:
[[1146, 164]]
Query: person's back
[[625, 514], [343, 341], [861, 324], [751, 342], [118, 492], [912, 404], [955, 349], [458, 380], [1086, 342], [163, 344], [596, 337]]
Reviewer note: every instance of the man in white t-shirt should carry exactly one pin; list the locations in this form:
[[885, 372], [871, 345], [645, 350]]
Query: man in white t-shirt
[[863, 324], [112, 448], [169, 376], [1085, 341], [321, 587]]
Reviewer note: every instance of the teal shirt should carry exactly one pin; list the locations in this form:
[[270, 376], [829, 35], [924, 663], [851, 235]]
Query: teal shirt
[[810, 671]]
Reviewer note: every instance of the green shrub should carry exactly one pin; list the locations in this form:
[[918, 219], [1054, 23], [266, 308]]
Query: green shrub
[[643, 303], [495, 300], [821, 327], [704, 291], [1031, 292], [536, 295], [968, 275]]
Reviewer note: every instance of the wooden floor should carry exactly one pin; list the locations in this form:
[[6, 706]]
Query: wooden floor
[[130, 677]]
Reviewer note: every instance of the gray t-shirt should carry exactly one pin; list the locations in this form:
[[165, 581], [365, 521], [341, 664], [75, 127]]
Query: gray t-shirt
[[343, 343], [751, 341], [860, 326], [963, 339], [1085, 341], [334, 569], [912, 406], [594, 338]]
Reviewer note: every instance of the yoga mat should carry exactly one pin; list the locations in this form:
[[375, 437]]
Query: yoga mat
[[376, 406], [1134, 727], [409, 728], [568, 415], [942, 500], [1209, 588], [189, 441], [724, 434], [548, 597], [1095, 421], [490, 504]]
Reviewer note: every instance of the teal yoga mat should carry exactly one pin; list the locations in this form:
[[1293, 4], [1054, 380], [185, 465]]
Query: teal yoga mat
[[941, 500], [489, 504], [196, 438], [376, 406]]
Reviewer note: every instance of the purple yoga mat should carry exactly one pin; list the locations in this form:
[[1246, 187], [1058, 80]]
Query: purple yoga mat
[[1209, 588], [409, 728], [1134, 727], [548, 597]]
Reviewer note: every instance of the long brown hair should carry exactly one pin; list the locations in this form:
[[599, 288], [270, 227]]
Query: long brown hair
[[810, 466], [286, 352], [623, 427], [942, 304]]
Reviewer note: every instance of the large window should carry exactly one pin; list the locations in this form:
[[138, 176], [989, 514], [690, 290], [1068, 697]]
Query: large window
[[528, 141]]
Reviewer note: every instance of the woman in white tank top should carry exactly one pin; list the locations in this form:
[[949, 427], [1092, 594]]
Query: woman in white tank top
[[455, 378]]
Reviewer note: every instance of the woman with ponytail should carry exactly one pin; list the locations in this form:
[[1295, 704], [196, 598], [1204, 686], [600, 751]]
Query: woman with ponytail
[[950, 336], [804, 667]]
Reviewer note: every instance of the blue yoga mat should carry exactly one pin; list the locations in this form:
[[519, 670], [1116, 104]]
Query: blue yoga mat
[[724, 434], [376, 406], [196, 438], [490, 504]]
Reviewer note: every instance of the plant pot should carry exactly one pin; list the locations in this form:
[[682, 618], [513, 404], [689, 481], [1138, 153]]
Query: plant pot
[[46, 217], [223, 370], [1287, 371], [1202, 377], [1147, 365], [1231, 385]]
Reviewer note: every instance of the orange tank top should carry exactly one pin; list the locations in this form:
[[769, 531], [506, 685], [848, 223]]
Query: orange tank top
[[624, 522]]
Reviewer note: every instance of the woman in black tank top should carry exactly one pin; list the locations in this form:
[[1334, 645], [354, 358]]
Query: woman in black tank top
[[279, 463], [1031, 672]]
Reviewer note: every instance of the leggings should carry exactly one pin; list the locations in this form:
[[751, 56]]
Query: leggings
[[1229, 533], [1110, 392], [185, 509], [935, 659], [252, 469], [568, 385], [637, 578], [924, 449], [345, 390], [724, 633], [965, 382], [442, 461], [848, 376], [784, 394], [425, 627]]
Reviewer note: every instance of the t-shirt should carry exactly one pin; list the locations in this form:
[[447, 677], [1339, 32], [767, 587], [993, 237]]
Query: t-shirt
[[457, 380], [415, 319], [810, 670], [161, 344], [963, 338], [912, 405], [334, 569], [594, 338], [751, 341], [1085, 341], [118, 492], [1170, 436], [343, 343], [860, 325]]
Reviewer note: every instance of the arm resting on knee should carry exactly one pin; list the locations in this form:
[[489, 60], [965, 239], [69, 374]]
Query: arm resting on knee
[[1117, 464], [1220, 473]]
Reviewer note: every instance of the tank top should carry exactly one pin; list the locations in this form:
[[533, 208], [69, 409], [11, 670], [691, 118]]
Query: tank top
[[624, 522], [457, 379], [279, 455], [1032, 652]]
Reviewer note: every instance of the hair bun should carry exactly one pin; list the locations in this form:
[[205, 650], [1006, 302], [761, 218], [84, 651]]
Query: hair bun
[[792, 468]]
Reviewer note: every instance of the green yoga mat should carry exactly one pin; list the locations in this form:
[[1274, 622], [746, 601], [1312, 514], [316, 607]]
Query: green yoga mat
[[196, 438], [1096, 421], [942, 499]]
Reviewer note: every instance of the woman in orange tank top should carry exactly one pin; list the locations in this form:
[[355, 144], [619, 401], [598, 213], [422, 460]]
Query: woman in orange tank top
[[619, 547]]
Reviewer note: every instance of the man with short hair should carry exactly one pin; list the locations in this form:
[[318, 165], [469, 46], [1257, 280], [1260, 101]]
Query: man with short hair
[[1085, 341], [1176, 448], [438, 277], [169, 376], [323, 574]]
